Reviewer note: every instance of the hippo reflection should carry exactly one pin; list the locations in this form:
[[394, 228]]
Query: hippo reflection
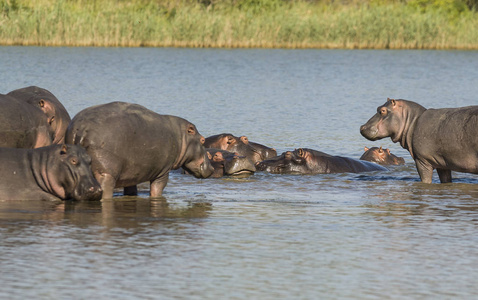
[[308, 161]]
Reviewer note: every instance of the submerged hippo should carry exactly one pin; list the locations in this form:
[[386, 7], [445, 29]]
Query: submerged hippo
[[308, 161], [442, 139], [130, 144], [57, 116], [227, 163], [48, 173], [381, 156], [22, 125], [254, 151]]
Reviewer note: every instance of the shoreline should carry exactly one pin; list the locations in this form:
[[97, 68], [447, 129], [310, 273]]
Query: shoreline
[[279, 24]]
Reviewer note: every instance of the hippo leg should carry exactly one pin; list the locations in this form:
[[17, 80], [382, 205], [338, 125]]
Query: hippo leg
[[131, 190], [158, 185], [107, 183], [425, 171], [445, 175]]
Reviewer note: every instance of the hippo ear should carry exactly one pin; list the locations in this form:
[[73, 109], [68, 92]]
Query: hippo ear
[[63, 149], [365, 149], [244, 139], [41, 103], [300, 151], [50, 121], [393, 102], [388, 151], [191, 129], [209, 155]]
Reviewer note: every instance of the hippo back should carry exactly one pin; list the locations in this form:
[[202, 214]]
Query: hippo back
[[22, 125]]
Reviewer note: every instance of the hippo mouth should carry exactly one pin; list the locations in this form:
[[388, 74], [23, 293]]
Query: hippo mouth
[[242, 173]]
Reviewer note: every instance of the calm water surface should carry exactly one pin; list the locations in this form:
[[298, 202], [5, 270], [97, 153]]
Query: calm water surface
[[379, 235]]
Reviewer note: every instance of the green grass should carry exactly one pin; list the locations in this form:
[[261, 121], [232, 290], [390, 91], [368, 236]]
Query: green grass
[[416, 24]]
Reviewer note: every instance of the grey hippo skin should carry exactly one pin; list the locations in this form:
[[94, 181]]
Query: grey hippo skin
[[308, 161], [57, 116], [48, 173], [22, 125], [442, 139], [130, 144], [381, 156], [241, 145], [227, 163]]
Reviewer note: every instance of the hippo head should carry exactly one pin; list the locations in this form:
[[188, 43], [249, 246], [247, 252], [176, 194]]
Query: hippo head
[[299, 161], [65, 171], [193, 157], [226, 163], [392, 120], [57, 116], [241, 145], [381, 156]]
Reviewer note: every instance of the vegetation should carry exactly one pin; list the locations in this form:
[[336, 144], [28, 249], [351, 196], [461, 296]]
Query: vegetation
[[406, 24]]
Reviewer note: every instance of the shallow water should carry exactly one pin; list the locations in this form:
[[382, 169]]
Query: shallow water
[[359, 236]]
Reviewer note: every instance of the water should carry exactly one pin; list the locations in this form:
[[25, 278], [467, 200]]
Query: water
[[340, 236]]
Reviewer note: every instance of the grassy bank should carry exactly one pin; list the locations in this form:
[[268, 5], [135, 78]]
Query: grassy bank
[[416, 24]]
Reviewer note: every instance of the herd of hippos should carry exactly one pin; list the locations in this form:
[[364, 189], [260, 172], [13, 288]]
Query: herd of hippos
[[46, 155]]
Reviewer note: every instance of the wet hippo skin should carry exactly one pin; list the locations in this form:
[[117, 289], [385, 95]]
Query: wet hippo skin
[[130, 144], [309, 161], [443, 139], [48, 173]]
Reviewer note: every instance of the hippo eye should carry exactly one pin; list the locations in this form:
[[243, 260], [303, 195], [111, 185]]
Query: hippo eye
[[383, 111], [73, 160]]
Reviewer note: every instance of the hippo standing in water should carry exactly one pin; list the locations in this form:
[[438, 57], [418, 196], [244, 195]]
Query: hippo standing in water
[[308, 161], [442, 139], [226, 163], [23, 125], [57, 116], [241, 145], [130, 144], [381, 156], [48, 173]]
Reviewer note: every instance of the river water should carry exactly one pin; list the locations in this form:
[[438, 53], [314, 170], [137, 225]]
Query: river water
[[379, 235]]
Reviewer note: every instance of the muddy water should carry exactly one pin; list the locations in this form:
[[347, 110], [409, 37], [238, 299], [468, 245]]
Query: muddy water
[[360, 236]]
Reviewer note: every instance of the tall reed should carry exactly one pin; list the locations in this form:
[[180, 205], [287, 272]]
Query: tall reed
[[236, 23]]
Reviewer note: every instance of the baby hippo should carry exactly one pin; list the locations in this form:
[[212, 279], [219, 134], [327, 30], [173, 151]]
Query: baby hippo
[[308, 161], [227, 163], [382, 157]]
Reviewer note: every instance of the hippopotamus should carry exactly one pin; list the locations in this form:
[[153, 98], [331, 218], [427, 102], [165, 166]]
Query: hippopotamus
[[309, 161], [443, 139], [57, 116], [130, 144], [254, 151], [23, 125], [381, 156], [227, 163], [55, 172]]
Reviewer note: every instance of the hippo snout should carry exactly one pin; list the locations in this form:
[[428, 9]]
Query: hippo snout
[[93, 193], [260, 166], [369, 132]]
